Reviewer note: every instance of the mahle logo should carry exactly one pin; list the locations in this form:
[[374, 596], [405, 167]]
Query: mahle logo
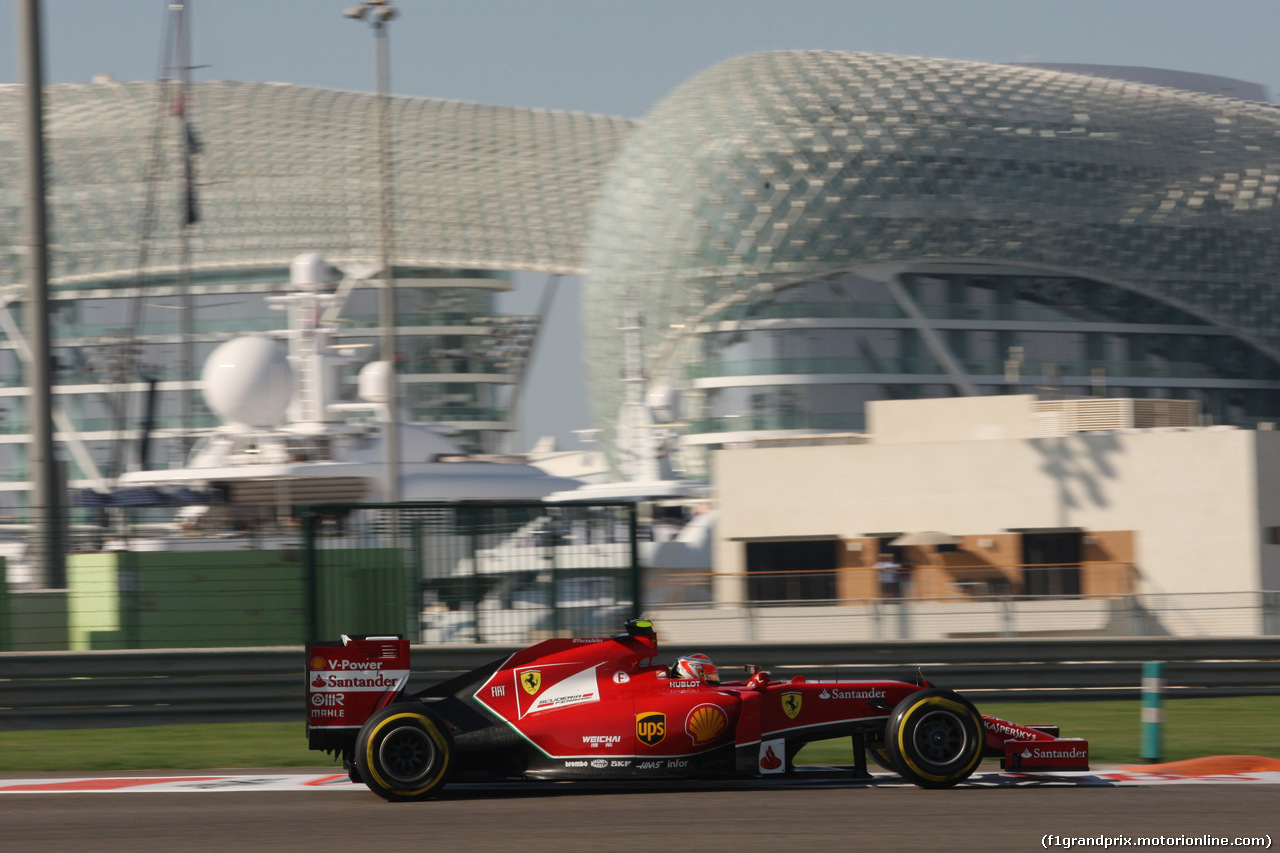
[[651, 727]]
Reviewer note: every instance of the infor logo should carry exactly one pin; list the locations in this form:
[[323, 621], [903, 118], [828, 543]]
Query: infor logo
[[651, 727]]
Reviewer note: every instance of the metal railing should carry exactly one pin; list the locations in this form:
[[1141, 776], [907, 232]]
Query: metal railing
[[1117, 370], [873, 620], [862, 585], [516, 573]]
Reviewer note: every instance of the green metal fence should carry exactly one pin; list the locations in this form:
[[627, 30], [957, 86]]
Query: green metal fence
[[493, 572], [455, 573]]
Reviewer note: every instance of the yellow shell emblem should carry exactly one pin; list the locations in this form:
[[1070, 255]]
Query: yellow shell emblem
[[705, 723], [317, 662]]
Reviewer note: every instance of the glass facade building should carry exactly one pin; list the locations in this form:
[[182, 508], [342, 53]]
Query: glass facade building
[[802, 232], [479, 192]]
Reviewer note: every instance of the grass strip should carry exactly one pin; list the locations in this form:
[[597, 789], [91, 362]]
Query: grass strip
[[178, 747], [1242, 725], [1193, 727]]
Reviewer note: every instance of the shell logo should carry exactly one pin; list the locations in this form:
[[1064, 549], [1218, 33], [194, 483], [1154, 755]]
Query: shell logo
[[705, 723], [317, 662]]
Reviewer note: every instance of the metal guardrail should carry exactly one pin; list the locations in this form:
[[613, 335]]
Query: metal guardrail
[[1037, 669], [979, 617], [54, 690]]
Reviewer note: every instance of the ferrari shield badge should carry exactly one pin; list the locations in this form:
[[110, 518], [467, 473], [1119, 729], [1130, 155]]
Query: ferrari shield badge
[[791, 704], [531, 681]]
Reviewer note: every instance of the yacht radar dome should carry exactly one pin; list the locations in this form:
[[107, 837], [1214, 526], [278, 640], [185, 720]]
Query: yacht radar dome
[[374, 382], [248, 381], [310, 272]]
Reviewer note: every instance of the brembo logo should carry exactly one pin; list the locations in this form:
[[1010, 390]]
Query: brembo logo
[[651, 727]]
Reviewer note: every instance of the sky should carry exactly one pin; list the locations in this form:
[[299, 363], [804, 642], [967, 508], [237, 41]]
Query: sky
[[620, 57]]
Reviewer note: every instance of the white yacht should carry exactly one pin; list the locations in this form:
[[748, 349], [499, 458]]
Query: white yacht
[[289, 439]]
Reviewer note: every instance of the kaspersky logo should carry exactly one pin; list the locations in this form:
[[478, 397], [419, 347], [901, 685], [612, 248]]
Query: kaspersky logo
[[651, 727]]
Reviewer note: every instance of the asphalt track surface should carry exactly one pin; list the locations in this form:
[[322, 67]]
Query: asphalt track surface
[[588, 817]]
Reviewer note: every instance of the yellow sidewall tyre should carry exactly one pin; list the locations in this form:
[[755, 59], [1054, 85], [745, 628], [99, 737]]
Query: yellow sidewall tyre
[[404, 752], [935, 738]]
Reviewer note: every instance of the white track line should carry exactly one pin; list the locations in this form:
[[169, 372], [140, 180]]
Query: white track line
[[338, 782]]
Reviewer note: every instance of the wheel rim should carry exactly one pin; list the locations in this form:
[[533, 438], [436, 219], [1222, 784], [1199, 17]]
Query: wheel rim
[[407, 754], [941, 738]]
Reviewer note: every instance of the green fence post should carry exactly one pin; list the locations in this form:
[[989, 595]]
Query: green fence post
[[130, 588], [310, 580], [1152, 714], [555, 520], [636, 586], [413, 582], [471, 514]]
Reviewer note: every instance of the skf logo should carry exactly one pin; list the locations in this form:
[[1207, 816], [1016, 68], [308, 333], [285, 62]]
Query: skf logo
[[791, 704], [705, 723], [651, 727], [531, 681]]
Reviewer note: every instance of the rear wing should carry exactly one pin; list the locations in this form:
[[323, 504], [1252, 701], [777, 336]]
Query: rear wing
[[347, 681]]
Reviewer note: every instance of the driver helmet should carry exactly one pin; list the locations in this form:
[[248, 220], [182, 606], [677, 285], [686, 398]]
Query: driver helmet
[[697, 666]]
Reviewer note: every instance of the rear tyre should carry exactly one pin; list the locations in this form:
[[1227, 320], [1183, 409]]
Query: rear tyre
[[934, 738], [404, 752]]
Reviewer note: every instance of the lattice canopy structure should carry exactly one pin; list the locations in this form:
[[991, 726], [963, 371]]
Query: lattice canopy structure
[[782, 169], [285, 169]]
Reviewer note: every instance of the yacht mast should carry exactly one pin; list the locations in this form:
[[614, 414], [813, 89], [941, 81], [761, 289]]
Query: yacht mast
[[188, 147], [46, 499]]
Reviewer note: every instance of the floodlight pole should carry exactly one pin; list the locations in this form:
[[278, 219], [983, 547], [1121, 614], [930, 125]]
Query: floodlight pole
[[46, 499], [380, 13]]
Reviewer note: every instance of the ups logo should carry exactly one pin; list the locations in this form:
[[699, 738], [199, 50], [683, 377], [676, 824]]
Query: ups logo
[[651, 727]]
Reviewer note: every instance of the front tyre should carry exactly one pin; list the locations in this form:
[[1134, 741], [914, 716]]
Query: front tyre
[[934, 738], [404, 752]]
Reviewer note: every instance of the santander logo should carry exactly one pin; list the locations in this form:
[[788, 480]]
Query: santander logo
[[1036, 752]]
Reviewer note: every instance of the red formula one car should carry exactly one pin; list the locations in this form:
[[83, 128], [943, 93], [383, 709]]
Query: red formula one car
[[601, 708]]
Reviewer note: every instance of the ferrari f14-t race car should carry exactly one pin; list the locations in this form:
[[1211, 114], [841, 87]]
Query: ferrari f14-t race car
[[602, 708]]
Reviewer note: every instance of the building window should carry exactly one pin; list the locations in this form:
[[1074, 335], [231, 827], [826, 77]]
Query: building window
[[792, 570], [1051, 562]]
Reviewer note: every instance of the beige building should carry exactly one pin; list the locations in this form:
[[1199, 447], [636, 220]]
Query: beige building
[[1013, 495]]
